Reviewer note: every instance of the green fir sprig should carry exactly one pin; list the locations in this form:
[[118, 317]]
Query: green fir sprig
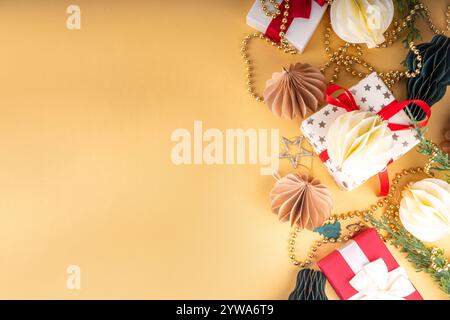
[[427, 148], [416, 251], [404, 7]]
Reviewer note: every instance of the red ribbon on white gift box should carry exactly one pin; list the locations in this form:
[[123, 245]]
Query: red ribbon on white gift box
[[297, 9], [347, 102]]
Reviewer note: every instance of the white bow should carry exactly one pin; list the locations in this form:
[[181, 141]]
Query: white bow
[[374, 282]]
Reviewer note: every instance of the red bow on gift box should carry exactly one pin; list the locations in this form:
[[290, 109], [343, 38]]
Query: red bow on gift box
[[297, 9], [347, 102]]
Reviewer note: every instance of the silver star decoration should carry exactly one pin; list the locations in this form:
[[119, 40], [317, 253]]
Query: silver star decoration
[[367, 87], [371, 109], [353, 91], [386, 95], [395, 136], [405, 144], [294, 158], [326, 113], [310, 121], [322, 124], [378, 87], [335, 109], [363, 100], [322, 140]]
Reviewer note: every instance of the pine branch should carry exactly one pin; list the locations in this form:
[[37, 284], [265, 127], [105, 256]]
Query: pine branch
[[416, 252], [404, 7], [426, 147]]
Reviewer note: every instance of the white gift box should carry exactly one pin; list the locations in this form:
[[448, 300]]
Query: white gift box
[[300, 31], [371, 94]]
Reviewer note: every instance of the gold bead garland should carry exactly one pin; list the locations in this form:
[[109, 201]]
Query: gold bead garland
[[247, 61], [314, 248], [391, 214], [265, 9], [431, 160], [340, 58], [435, 253]]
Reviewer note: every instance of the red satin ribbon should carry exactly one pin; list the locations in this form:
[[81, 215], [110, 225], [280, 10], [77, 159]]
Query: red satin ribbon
[[383, 178], [347, 102], [297, 9]]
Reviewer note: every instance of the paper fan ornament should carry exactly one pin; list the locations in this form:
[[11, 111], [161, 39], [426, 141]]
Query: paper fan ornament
[[302, 200], [294, 91], [358, 140]]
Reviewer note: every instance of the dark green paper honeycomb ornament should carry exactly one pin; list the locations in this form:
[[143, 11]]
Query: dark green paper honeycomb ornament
[[431, 84], [310, 286]]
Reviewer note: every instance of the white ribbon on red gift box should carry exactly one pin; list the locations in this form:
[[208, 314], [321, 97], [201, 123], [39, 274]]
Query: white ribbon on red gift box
[[374, 282], [364, 269]]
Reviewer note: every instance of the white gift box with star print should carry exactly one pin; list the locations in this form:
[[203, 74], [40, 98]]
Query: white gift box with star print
[[371, 94]]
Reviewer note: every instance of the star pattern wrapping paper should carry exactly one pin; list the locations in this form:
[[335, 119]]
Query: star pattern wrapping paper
[[371, 94]]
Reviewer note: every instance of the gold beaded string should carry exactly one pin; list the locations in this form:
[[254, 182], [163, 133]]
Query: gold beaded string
[[248, 66], [312, 253], [391, 214], [265, 9], [339, 57], [435, 254], [283, 45], [431, 160]]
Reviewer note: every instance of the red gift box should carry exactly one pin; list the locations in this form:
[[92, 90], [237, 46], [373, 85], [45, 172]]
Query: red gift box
[[355, 259]]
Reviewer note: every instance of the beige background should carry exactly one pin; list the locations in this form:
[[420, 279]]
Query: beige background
[[86, 176]]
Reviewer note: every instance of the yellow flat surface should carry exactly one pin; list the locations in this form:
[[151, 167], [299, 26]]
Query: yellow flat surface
[[86, 176]]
